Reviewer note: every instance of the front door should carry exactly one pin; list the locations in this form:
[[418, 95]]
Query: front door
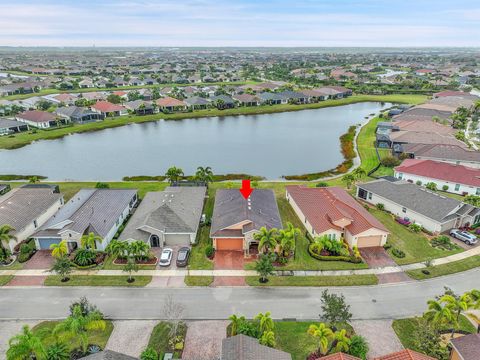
[[154, 241]]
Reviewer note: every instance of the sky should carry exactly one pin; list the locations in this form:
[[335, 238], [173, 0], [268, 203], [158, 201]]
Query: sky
[[253, 23]]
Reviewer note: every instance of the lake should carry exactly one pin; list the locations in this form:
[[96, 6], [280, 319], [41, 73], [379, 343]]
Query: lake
[[269, 145]]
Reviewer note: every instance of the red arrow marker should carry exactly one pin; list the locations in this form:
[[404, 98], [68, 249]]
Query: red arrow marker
[[246, 190]]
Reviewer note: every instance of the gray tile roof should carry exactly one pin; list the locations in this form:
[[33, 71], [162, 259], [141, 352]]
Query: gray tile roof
[[231, 208], [418, 199], [196, 100], [108, 355], [247, 348], [21, 206], [175, 210], [94, 209], [468, 346], [7, 123]]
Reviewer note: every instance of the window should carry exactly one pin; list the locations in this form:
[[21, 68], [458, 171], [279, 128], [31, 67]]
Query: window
[[35, 223], [400, 176], [457, 187], [369, 196], [478, 191], [476, 220], [404, 209]]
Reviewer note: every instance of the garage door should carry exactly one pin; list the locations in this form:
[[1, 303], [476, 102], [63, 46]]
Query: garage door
[[177, 239], [230, 244], [369, 241], [46, 242]]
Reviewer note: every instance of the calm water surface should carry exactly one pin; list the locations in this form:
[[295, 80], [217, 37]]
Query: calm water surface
[[269, 145]]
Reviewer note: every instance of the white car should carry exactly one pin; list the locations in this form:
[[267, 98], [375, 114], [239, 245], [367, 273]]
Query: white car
[[464, 236], [166, 257]]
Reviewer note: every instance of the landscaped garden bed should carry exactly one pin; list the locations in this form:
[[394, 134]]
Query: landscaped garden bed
[[163, 341], [150, 261]]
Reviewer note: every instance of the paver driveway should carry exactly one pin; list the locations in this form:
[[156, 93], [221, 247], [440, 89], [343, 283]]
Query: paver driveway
[[204, 339], [9, 329], [380, 336], [130, 337], [376, 257], [229, 260], [42, 259]]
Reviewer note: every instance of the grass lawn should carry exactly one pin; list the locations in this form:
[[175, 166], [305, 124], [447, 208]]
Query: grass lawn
[[15, 266], [350, 280], [97, 280], [416, 246], [5, 279], [405, 329], [22, 139], [292, 337], [97, 337], [198, 280], [160, 337], [445, 269]]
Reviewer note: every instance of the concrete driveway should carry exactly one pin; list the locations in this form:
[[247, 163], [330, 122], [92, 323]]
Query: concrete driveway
[[130, 337], [204, 340], [8, 329], [380, 336]]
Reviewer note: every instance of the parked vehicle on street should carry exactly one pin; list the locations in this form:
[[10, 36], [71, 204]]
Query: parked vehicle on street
[[182, 256], [166, 257], [464, 236]]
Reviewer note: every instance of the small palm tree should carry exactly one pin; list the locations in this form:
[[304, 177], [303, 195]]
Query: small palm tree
[[117, 248], [204, 174], [265, 322], [5, 236], [348, 179], [235, 322], [323, 334], [268, 339], [89, 241], [174, 174], [138, 249], [342, 341], [266, 238], [60, 249], [457, 305], [438, 314], [25, 345]]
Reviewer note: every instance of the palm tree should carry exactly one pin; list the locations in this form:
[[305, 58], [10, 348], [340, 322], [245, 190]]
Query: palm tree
[[235, 322], [285, 243], [78, 325], [268, 339], [138, 249], [25, 345], [62, 267], [342, 341], [117, 248], [323, 334], [457, 305], [438, 314], [33, 180], [266, 238], [204, 174], [6, 236], [265, 322], [174, 174], [348, 179], [359, 173], [60, 249], [130, 267], [89, 241]]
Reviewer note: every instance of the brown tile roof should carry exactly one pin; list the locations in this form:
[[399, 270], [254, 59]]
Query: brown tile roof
[[468, 346], [106, 107], [37, 116], [424, 126], [339, 356], [322, 206], [405, 355], [169, 102]]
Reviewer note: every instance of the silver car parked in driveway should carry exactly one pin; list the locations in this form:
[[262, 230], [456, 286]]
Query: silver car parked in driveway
[[464, 236], [166, 257]]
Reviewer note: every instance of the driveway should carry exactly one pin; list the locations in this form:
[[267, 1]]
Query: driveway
[[462, 244], [130, 337], [376, 257], [42, 259], [380, 336], [9, 329], [204, 340], [228, 260], [173, 264]]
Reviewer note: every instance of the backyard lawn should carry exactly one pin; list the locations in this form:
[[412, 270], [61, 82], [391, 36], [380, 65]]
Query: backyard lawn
[[445, 269], [347, 280], [98, 280], [415, 245], [97, 337]]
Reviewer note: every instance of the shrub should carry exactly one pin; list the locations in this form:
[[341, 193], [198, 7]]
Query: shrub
[[445, 187], [398, 253], [102, 185], [84, 257], [249, 329], [26, 252], [85, 306], [443, 242], [380, 206], [351, 259], [390, 161], [25, 249], [209, 251], [431, 186], [358, 347], [387, 246], [149, 354], [414, 228], [418, 182], [322, 184]]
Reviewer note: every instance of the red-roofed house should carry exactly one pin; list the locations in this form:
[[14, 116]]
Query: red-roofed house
[[449, 177], [339, 356], [108, 109], [405, 355], [332, 212], [37, 118], [169, 104]]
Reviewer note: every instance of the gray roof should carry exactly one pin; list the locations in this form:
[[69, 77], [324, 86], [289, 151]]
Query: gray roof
[[247, 348], [21, 206], [7, 123], [443, 151], [72, 111], [95, 210], [225, 98], [108, 355], [175, 210], [468, 346], [196, 100], [232, 208], [418, 199]]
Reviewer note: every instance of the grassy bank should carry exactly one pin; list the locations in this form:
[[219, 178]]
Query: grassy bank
[[446, 269], [22, 139], [350, 280], [98, 280]]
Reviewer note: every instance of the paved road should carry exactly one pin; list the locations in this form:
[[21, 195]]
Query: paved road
[[367, 302]]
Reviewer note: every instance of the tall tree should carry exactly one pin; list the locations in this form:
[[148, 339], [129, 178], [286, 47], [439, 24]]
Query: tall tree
[[204, 174], [334, 308]]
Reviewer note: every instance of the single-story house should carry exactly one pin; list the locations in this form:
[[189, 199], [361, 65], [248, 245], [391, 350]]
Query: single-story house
[[86, 83], [465, 347], [294, 96], [196, 102], [336, 92], [98, 211], [140, 107], [314, 95], [451, 154], [246, 99], [271, 98], [223, 101], [405, 354], [332, 212], [8, 126], [436, 213], [106, 108], [170, 104], [245, 347], [37, 118], [236, 220], [169, 217], [78, 114], [28, 208], [457, 179]]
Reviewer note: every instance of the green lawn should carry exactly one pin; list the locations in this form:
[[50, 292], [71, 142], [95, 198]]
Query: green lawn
[[416, 246], [22, 139], [405, 329], [98, 280], [292, 337], [161, 335], [5, 279], [198, 280], [451, 268], [97, 337], [15, 266], [349, 280]]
